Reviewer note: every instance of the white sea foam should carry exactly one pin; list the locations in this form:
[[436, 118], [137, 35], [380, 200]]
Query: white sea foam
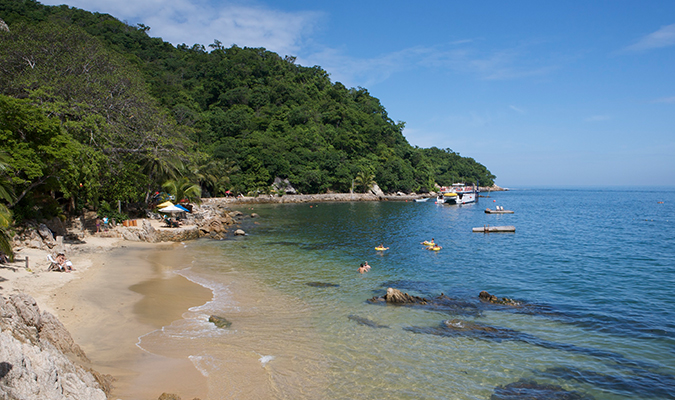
[[265, 359], [202, 363]]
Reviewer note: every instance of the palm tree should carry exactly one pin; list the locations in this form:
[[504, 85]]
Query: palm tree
[[364, 180], [159, 169], [183, 189], [214, 175]]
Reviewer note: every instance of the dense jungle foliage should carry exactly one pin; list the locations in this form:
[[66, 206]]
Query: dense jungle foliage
[[94, 110]]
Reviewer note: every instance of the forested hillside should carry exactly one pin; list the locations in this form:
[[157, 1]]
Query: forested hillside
[[93, 110]]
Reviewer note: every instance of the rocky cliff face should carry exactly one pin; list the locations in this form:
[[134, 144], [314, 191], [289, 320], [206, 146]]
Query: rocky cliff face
[[36, 356]]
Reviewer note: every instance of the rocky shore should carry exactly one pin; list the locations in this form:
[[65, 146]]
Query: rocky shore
[[40, 360]]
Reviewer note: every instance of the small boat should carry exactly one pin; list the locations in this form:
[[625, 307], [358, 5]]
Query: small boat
[[421, 200], [379, 248]]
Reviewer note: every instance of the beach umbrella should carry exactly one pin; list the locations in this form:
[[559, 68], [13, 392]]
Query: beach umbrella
[[165, 204], [172, 209], [182, 208]]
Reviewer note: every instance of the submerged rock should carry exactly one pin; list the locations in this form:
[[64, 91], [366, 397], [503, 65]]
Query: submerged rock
[[220, 322], [321, 284], [366, 321], [641, 384], [531, 390], [476, 330]]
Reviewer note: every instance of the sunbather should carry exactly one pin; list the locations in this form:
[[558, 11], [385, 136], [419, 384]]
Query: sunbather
[[60, 263]]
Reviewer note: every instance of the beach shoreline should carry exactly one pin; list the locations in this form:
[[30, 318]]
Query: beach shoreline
[[118, 292]]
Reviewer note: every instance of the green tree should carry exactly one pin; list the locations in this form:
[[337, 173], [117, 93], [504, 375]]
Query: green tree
[[40, 153], [183, 189]]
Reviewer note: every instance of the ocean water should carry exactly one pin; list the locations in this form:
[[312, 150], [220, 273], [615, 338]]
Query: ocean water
[[594, 270]]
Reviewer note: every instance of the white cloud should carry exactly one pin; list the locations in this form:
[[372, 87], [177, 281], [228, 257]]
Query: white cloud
[[200, 21], [598, 118], [668, 100], [664, 37], [505, 64], [518, 110]]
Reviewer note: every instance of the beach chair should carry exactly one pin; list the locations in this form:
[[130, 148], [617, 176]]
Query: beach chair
[[53, 265]]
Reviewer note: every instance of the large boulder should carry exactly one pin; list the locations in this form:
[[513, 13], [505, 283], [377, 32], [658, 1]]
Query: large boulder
[[148, 233], [56, 226], [376, 190], [33, 348], [283, 185]]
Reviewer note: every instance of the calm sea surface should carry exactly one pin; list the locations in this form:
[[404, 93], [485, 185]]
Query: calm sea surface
[[594, 270]]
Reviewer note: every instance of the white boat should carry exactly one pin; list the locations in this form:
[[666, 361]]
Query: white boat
[[422, 200], [458, 193]]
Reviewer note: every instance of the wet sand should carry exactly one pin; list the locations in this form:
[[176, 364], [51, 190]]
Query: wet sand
[[132, 291]]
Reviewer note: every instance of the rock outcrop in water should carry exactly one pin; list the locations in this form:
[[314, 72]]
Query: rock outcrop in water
[[490, 298], [36, 352], [220, 322], [441, 303], [395, 296]]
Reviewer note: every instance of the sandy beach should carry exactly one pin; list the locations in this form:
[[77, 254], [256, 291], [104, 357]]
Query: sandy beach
[[119, 291]]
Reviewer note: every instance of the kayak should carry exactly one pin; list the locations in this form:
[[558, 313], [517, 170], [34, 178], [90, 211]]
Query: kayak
[[381, 248]]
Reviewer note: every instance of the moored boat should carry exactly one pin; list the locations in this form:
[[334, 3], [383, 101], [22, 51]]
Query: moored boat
[[458, 193]]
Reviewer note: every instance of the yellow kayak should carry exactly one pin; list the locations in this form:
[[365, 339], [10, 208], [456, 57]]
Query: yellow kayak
[[381, 248]]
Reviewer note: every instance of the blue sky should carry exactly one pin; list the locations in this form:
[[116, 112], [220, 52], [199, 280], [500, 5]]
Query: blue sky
[[540, 92]]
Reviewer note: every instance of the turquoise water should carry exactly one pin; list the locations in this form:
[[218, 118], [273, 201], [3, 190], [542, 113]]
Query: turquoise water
[[593, 268]]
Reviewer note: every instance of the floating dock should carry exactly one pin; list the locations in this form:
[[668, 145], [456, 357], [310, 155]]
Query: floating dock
[[495, 229], [488, 211]]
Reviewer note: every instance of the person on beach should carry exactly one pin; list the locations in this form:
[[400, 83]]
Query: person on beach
[[61, 264]]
